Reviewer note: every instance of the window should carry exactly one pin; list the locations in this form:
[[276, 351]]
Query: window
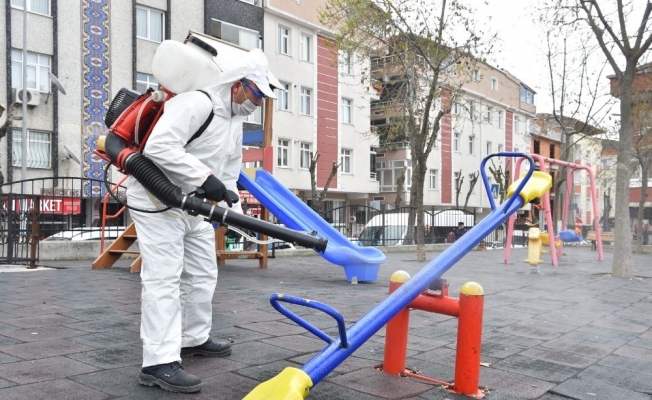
[[552, 150], [283, 153], [39, 149], [149, 24], [537, 147], [517, 124], [35, 6], [306, 106], [433, 179], [456, 142], [527, 95], [456, 108], [476, 75], [494, 84], [284, 40], [471, 108], [346, 63], [305, 53], [247, 38], [372, 164], [304, 161], [38, 69], [490, 114], [489, 148], [347, 111], [345, 160], [500, 119], [144, 82], [283, 97], [500, 148], [471, 142]]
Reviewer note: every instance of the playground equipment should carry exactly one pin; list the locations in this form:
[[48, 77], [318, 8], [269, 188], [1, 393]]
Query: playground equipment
[[534, 247], [556, 246], [294, 383], [360, 263], [468, 309]]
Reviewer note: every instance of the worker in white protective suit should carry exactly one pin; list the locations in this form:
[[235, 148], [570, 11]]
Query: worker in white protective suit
[[179, 270]]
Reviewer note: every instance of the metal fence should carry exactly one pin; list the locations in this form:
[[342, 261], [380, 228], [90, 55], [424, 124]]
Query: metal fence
[[55, 208], [369, 226]]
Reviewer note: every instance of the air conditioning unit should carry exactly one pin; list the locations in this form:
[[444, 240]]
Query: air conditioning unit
[[32, 97]]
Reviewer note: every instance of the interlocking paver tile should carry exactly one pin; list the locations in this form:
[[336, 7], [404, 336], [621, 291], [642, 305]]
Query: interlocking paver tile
[[585, 389], [43, 370], [41, 333], [58, 389], [44, 349], [377, 383]]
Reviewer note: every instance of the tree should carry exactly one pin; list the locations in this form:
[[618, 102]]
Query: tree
[[421, 52], [622, 33], [318, 198], [400, 187], [580, 99], [473, 179], [501, 176]]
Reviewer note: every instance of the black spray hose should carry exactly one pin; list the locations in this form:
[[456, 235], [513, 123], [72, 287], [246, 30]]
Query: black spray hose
[[153, 179]]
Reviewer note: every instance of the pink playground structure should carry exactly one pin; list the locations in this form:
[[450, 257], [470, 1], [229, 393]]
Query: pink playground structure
[[555, 253]]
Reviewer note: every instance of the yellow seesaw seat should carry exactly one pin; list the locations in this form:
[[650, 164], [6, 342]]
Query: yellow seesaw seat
[[291, 384], [537, 186]]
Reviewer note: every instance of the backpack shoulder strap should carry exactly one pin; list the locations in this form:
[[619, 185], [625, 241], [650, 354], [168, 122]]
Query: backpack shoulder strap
[[205, 124]]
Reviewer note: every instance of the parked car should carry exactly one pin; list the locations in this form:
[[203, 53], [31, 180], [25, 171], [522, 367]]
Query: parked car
[[87, 233], [391, 229]]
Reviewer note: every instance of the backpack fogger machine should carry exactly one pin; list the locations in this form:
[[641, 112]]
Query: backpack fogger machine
[[131, 118]]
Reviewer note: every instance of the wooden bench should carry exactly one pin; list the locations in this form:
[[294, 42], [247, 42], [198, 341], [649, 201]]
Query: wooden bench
[[608, 237]]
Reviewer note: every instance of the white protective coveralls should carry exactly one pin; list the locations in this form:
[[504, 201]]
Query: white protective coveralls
[[179, 270]]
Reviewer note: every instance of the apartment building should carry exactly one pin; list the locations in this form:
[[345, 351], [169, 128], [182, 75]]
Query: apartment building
[[94, 48], [320, 109], [641, 143], [492, 113]]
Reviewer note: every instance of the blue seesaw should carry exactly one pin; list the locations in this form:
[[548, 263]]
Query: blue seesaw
[[295, 383]]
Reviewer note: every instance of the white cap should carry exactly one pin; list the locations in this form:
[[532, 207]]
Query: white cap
[[255, 68]]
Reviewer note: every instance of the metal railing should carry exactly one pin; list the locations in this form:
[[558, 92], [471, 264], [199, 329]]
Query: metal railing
[[52, 208]]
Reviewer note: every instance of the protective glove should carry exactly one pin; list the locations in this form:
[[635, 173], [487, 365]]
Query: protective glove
[[233, 196], [214, 189]]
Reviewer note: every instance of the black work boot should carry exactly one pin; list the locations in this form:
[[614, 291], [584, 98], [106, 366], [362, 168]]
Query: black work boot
[[170, 377], [208, 349]]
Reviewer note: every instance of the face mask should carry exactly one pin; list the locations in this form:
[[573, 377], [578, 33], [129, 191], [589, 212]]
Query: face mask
[[244, 109]]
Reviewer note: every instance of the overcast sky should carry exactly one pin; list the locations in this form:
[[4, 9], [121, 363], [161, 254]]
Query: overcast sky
[[520, 46]]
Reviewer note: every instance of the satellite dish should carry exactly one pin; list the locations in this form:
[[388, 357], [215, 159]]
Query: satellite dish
[[71, 155], [56, 83]]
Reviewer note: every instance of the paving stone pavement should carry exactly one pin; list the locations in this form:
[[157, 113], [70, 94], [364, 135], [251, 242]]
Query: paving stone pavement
[[570, 332]]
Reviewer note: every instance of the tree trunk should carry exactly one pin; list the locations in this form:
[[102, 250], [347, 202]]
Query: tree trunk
[[622, 264], [400, 187], [458, 188], [419, 172], [641, 209], [472, 182]]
